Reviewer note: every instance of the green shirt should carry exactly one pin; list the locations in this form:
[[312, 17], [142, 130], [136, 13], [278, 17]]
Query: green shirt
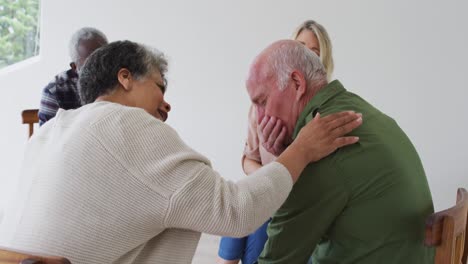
[[365, 203]]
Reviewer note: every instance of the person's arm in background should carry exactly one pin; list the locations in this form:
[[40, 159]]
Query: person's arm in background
[[257, 152], [49, 105], [251, 160], [250, 165]]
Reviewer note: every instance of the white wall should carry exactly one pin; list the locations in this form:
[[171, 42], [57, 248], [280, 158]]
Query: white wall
[[409, 58]]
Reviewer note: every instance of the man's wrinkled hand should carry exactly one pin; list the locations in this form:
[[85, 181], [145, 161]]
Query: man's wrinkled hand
[[272, 135]]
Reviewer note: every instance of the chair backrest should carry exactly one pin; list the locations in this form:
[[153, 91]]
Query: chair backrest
[[30, 116], [446, 231], [11, 256]]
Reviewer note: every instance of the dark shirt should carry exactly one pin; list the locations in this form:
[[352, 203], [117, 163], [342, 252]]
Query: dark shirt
[[62, 92]]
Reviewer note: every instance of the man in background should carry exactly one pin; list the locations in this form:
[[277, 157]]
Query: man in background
[[62, 91]]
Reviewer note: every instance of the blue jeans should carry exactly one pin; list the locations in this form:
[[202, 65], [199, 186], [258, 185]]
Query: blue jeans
[[247, 249]]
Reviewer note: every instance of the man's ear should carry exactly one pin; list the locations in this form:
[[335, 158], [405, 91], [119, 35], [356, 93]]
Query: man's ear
[[125, 79], [300, 84]]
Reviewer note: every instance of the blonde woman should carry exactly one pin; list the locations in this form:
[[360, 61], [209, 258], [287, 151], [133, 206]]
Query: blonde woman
[[259, 151]]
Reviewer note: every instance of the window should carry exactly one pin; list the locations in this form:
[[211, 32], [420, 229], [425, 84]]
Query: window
[[19, 30]]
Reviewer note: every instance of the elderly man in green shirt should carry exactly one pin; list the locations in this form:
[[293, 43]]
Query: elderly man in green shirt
[[365, 203]]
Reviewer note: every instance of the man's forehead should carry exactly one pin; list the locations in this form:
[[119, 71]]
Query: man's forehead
[[260, 77], [256, 72], [252, 83], [254, 93], [257, 90]]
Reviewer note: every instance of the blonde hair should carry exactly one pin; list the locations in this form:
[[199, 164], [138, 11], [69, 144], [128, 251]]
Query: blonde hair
[[320, 32]]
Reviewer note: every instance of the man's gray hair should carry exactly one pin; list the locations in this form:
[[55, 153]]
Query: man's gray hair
[[290, 56], [86, 33]]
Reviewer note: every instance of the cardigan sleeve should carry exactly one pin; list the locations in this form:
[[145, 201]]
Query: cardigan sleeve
[[198, 197], [208, 203]]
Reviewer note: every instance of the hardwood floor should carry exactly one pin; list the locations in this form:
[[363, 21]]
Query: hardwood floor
[[207, 250]]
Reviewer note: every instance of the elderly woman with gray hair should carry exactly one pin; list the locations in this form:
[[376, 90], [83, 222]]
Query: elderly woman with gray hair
[[110, 182]]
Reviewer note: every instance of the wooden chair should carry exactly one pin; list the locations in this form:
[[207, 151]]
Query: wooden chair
[[446, 231], [10, 256], [30, 116]]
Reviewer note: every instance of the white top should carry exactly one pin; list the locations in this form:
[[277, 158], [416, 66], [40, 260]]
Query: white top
[[108, 183]]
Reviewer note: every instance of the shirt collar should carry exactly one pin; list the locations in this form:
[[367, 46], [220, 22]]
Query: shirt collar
[[324, 95]]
